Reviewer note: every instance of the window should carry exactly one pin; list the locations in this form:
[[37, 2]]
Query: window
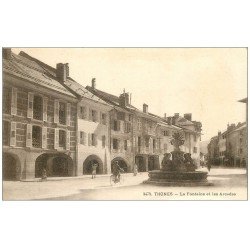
[[36, 137], [6, 133], [62, 139], [139, 141], [195, 138], [166, 133], [83, 114], [125, 144], [115, 144], [62, 113], [103, 141], [130, 118], [82, 138], [154, 143], [94, 115], [93, 140], [6, 100], [121, 116], [195, 149], [116, 125], [240, 140], [147, 142], [104, 116], [241, 150], [38, 107], [127, 127]]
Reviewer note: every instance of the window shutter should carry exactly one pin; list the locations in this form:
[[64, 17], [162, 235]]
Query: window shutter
[[120, 145], [30, 105], [95, 140], [56, 142], [128, 145], [29, 136], [45, 108], [14, 101], [118, 125], [44, 137], [13, 134], [122, 126], [112, 124], [90, 139], [84, 138], [68, 140], [68, 113], [56, 111], [90, 115], [79, 137]]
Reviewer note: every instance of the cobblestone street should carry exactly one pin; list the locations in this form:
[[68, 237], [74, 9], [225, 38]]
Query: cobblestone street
[[229, 184]]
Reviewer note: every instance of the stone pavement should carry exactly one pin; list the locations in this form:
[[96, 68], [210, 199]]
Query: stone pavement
[[231, 183]]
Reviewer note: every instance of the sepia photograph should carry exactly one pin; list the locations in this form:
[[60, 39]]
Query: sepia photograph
[[114, 124]]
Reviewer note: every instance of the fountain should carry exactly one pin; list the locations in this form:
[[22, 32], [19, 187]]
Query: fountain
[[180, 171]]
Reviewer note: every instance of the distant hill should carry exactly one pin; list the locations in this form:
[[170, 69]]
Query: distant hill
[[203, 146]]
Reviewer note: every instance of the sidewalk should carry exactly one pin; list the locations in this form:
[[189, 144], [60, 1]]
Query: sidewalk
[[70, 177]]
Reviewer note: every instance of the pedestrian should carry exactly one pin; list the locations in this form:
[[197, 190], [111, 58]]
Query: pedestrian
[[94, 167], [135, 169], [44, 174], [208, 165]]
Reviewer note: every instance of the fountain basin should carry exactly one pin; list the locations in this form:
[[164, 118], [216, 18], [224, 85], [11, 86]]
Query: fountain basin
[[175, 178]]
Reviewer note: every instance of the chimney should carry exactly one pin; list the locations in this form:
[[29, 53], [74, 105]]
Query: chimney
[[62, 71], [124, 99], [130, 97], [176, 115], [165, 116], [145, 108], [93, 83], [6, 53], [188, 116]]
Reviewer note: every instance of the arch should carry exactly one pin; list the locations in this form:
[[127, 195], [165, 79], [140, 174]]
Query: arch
[[122, 163], [11, 167], [140, 162], [87, 165], [56, 165]]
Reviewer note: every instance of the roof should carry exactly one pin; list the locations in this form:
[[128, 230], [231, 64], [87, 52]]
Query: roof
[[112, 99], [70, 86], [30, 70]]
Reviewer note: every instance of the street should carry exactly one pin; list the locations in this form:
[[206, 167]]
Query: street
[[228, 184]]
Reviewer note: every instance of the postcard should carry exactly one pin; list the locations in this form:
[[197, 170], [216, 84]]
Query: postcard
[[124, 124]]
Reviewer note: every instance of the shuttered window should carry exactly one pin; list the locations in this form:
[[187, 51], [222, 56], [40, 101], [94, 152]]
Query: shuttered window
[[44, 137], [82, 138], [29, 135], [13, 134], [45, 108], [30, 105], [56, 111], [68, 114]]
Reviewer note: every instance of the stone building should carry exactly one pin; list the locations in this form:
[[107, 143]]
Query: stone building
[[121, 124], [39, 120], [230, 147], [192, 134]]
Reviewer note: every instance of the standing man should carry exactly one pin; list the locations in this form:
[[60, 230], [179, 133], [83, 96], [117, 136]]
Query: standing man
[[94, 167]]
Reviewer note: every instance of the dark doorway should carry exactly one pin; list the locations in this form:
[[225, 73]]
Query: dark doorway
[[140, 163], [153, 163], [90, 160], [11, 168], [56, 165], [121, 163]]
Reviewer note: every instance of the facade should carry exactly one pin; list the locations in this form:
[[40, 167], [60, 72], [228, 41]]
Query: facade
[[39, 126], [53, 123], [121, 121], [141, 138], [230, 147]]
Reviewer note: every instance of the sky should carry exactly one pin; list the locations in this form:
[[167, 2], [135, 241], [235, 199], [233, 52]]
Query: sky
[[206, 82]]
